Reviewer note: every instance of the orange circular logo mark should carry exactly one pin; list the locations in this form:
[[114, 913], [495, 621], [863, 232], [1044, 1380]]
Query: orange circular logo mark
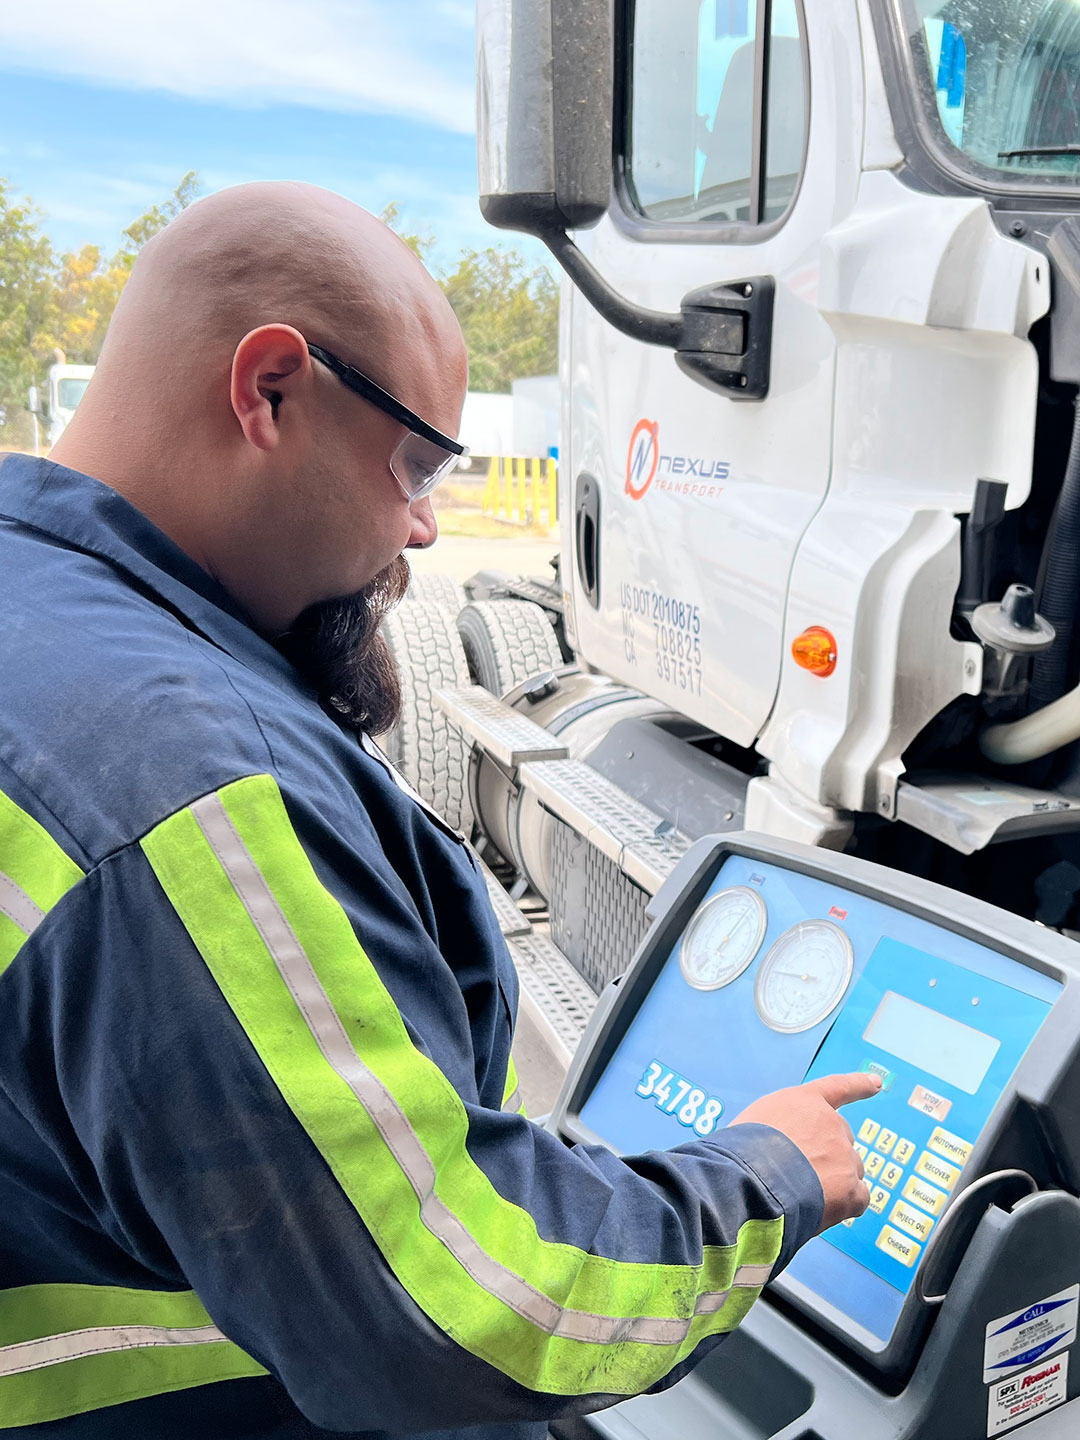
[[642, 456]]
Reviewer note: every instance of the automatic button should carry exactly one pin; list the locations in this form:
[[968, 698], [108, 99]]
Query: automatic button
[[938, 1171], [900, 1247], [951, 1146]]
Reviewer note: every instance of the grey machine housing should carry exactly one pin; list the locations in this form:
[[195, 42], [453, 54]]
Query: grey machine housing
[[798, 1369]]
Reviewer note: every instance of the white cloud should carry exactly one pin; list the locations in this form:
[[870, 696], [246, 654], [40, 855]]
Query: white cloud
[[346, 55]]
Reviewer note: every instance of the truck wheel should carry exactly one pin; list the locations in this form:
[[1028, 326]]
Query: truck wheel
[[428, 751], [507, 641], [441, 590]]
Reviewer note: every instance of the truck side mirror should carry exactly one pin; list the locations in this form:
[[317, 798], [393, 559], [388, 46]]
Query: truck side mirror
[[545, 94], [544, 97]]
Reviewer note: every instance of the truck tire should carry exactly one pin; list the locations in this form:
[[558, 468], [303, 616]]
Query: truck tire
[[507, 641], [441, 590], [428, 751]]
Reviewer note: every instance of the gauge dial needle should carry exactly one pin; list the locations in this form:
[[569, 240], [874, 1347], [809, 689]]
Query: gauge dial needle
[[807, 979]]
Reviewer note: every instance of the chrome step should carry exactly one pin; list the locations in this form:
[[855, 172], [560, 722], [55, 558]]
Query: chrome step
[[557, 999], [507, 736], [643, 846]]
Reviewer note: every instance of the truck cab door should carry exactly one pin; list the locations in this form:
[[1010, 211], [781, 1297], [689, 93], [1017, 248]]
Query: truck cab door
[[735, 156]]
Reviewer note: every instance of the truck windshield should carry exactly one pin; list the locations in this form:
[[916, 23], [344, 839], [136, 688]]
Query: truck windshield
[[70, 392], [1001, 78]]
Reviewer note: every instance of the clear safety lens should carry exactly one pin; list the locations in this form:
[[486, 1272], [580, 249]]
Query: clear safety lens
[[420, 464]]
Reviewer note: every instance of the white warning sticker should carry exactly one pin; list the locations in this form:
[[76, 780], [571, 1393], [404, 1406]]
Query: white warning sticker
[[1022, 1397], [1017, 1340]]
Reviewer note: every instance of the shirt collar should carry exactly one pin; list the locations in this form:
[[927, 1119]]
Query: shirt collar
[[89, 516]]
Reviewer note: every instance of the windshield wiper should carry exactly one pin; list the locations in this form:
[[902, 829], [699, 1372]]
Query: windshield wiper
[[1073, 148]]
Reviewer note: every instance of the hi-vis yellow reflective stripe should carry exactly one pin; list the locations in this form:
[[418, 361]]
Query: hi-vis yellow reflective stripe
[[511, 1091], [393, 1130], [34, 874], [66, 1349]]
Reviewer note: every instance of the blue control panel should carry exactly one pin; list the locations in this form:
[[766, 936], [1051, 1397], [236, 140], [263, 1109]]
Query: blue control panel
[[780, 977]]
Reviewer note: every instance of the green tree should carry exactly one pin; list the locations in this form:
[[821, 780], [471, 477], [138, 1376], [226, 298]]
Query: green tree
[[51, 303], [156, 218], [27, 278], [509, 315]]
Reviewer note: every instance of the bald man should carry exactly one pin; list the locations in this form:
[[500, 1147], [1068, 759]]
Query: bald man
[[261, 1169]]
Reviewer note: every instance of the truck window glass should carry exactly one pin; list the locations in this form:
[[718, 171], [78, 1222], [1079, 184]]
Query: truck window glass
[[692, 99], [1003, 80]]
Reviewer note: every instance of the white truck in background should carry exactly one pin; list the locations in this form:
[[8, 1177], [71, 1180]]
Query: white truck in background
[[65, 386]]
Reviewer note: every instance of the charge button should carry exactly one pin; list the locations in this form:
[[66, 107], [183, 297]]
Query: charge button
[[900, 1247]]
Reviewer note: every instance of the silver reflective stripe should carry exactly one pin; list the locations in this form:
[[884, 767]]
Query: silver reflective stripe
[[747, 1277], [513, 1102], [100, 1340], [401, 1139], [17, 905]]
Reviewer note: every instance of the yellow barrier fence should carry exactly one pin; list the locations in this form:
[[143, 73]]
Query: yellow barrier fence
[[522, 489]]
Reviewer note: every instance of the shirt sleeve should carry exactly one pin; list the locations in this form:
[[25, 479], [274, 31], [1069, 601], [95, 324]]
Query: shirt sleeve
[[266, 1127]]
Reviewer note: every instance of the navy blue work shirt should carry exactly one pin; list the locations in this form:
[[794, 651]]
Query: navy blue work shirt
[[256, 1177]]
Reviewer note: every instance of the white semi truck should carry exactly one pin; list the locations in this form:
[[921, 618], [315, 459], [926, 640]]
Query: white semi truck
[[820, 471], [65, 386], [806, 676]]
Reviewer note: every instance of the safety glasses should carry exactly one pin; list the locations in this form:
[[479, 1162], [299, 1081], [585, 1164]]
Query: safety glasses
[[425, 456]]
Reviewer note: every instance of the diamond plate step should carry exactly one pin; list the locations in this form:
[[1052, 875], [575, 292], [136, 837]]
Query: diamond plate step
[[511, 921], [507, 736], [620, 827], [558, 1000]]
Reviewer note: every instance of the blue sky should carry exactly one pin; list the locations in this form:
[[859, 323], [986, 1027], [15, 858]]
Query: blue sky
[[105, 104]]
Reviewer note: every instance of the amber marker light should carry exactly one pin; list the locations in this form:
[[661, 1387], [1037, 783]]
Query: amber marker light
[[815, 650]]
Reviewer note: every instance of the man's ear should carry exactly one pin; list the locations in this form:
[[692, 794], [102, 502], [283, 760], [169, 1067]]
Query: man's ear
[[270, 368]]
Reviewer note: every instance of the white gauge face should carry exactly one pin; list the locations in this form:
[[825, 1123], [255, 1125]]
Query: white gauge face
[[723, 937], [804, 976]]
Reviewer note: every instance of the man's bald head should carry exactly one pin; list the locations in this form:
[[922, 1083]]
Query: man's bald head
[[289, 253], [208, 413]]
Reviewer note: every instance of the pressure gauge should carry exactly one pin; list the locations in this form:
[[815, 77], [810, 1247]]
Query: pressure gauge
[[804, 976], [723, 937]]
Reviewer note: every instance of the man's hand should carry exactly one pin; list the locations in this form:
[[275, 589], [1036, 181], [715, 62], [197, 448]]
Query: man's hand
[[806, 1114]]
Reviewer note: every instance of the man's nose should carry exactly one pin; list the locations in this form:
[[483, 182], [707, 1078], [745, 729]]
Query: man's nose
[[425, 528]]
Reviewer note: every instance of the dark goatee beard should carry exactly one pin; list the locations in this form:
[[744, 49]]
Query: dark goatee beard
[[337, 646]]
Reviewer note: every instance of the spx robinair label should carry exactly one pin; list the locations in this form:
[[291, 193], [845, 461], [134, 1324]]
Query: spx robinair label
[[1026, 1395], [1015, 1341]]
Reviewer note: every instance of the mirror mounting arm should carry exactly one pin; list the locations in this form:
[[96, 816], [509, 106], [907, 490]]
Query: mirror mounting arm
[[722, 335]]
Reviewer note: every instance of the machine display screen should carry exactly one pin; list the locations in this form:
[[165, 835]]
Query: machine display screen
[[780, 976], [944, 1048]]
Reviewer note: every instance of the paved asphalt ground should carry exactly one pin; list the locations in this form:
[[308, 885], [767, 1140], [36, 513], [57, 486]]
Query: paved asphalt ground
[[462, 555]]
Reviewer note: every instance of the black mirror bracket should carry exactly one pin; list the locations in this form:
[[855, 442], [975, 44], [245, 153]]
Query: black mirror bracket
[[722, 336]]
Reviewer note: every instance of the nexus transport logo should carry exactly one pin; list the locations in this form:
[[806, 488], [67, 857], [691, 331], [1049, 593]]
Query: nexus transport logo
[[681, 474]]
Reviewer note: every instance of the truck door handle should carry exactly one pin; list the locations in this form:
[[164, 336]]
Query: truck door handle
[[587, 536]]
